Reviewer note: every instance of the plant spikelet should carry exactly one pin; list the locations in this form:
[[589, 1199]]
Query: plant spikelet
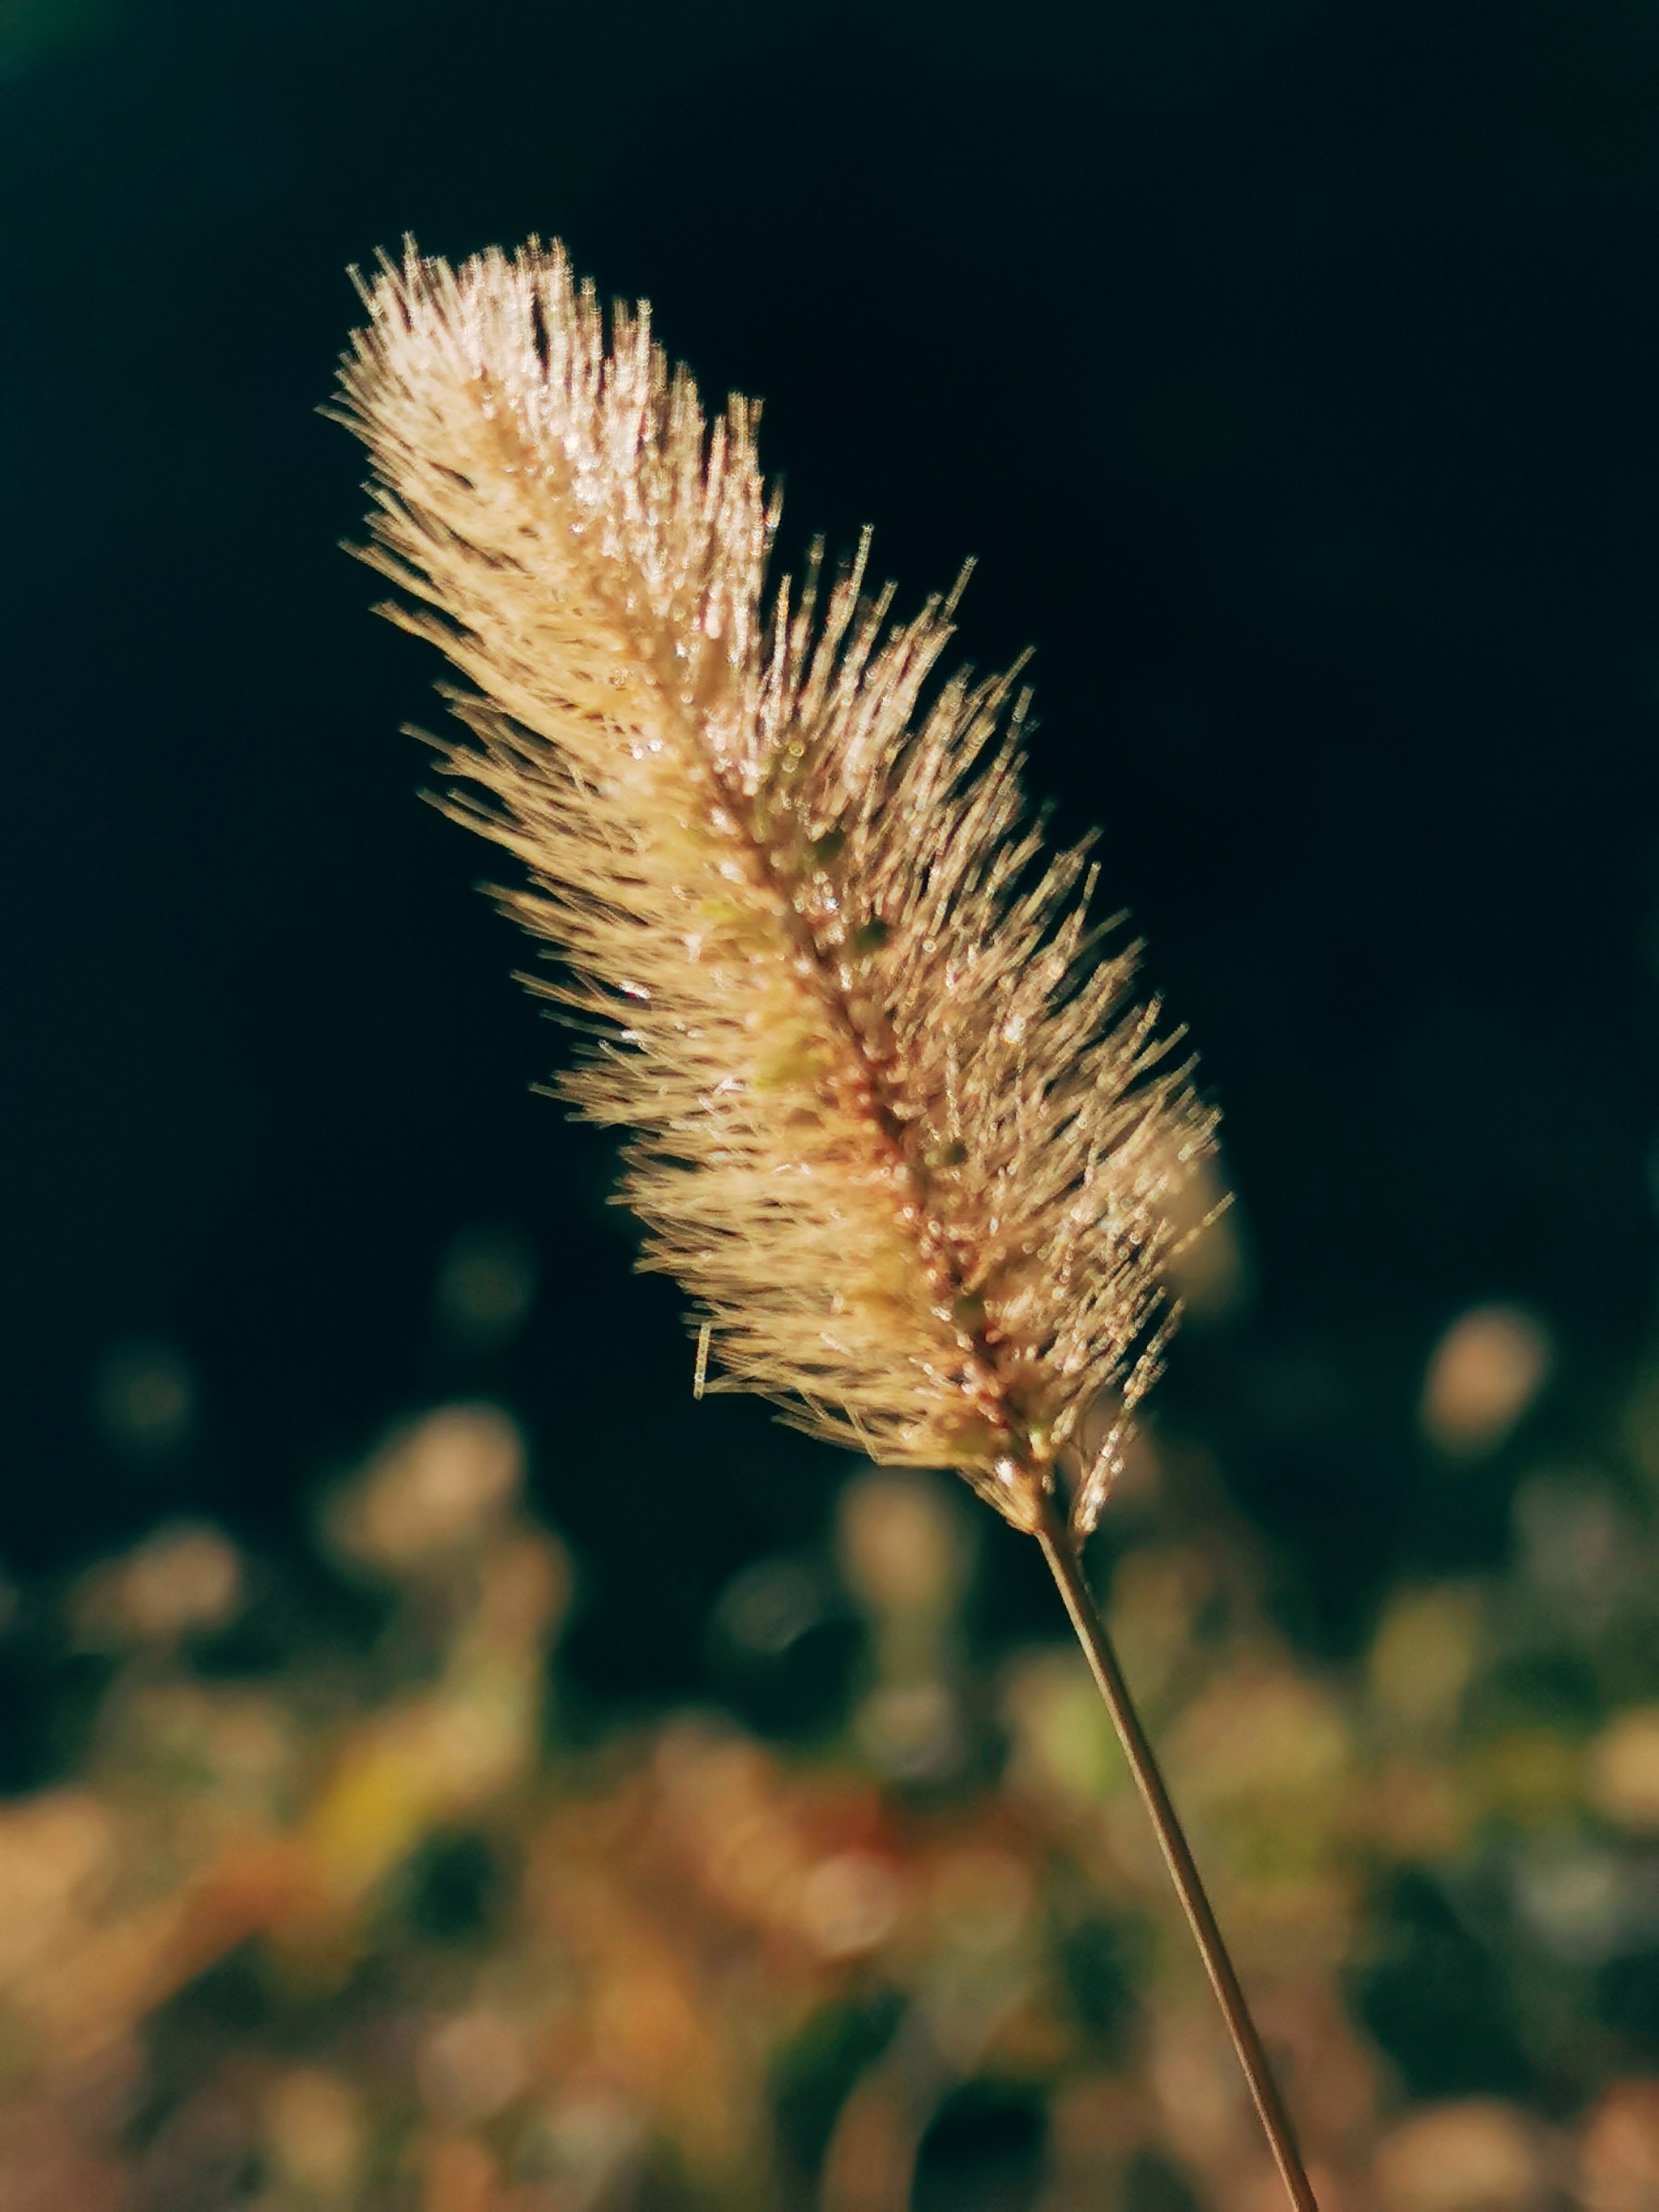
[[899, 1127]]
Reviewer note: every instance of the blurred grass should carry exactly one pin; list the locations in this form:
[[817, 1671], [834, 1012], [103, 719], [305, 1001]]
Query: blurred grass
[[336, 1908]]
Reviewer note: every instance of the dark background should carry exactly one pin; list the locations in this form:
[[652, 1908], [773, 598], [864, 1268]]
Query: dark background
[[1291, 371]]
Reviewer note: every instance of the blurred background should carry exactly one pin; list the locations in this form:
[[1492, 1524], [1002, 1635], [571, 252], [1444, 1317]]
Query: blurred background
[[444, 1766]]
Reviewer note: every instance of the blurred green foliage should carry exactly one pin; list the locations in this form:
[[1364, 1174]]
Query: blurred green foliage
[[339, 1908]]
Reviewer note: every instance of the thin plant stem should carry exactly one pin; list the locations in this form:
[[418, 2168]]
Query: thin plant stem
[[1061, 1550]]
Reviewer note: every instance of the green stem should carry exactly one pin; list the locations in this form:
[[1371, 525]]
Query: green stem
[[1061, 1550]]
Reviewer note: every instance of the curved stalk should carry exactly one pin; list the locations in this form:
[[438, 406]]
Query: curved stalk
[[1061, 1550]]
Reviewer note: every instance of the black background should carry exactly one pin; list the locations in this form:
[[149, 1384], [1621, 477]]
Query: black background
[[1291, 374]]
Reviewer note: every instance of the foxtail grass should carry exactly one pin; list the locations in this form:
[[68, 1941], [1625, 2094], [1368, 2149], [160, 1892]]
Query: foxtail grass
[[897, 1119]]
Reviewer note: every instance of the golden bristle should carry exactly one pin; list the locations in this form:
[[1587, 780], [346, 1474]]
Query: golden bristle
[[898, 1126]]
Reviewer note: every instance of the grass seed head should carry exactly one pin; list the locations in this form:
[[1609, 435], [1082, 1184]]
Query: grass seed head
[[899, 1126]]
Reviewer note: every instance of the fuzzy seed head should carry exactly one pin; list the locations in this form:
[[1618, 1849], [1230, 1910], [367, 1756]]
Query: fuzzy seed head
[[899, 1126]]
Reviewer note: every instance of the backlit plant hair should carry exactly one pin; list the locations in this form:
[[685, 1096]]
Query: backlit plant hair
[[898, 1125]]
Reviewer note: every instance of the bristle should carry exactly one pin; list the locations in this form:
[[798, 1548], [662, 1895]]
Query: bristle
[[898, 1127]]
